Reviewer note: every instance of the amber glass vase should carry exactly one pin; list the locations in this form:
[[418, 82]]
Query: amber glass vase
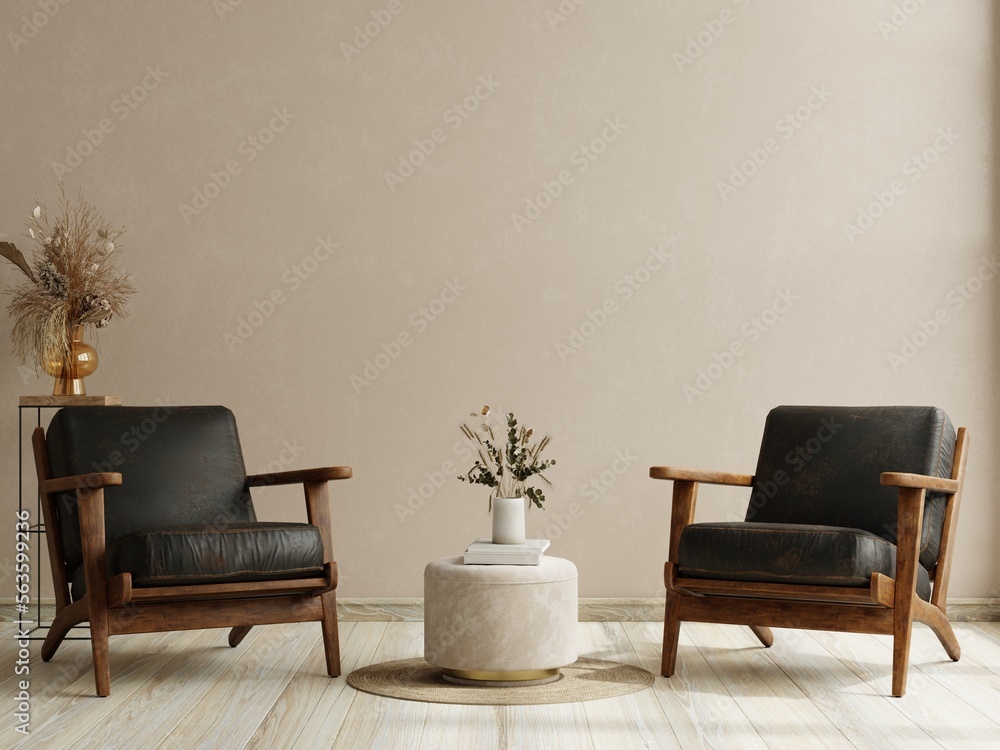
[[69, 371]]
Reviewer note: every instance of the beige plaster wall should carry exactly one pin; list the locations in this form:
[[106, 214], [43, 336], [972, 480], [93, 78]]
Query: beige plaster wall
[[593, 313]]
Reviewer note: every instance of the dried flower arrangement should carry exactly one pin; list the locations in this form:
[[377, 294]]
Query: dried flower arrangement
[[72, 280], [506, 467]]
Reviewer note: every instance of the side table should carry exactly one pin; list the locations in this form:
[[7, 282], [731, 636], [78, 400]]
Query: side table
[[36, 529], [500, 624]]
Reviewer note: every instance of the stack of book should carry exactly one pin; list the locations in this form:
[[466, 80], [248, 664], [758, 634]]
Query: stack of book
[[484, 552]]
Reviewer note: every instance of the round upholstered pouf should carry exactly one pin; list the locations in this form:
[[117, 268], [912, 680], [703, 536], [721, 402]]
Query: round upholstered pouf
[[500, 624]]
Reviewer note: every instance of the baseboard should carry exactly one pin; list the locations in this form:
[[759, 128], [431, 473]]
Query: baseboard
[[974, 610], [634, 609], [622, 610], [591, 610], [380, 610]]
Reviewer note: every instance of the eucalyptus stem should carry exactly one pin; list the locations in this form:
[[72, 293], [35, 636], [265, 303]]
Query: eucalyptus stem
[[505, 468]]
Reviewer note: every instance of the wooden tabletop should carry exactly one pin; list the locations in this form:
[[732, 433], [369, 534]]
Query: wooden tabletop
[[70, 401]]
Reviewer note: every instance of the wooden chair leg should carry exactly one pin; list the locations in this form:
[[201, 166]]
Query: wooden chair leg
[[937, 621], [331, 637], [671, 633], [99, 645], [910, 510], [764, 635], [65, 619], [902, 628], [91, 504], [237, 634]]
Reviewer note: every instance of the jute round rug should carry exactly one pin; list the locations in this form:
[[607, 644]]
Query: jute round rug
[[416, 680]]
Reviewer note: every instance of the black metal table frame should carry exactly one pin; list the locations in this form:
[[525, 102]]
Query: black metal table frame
[[37, 528]]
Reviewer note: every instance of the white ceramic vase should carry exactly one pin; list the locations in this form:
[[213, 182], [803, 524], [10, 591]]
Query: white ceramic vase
[[508, 520]]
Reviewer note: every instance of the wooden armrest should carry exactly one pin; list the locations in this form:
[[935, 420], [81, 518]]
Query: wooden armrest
[[81, 482], [918, 482], [300, 476], [705, 477]]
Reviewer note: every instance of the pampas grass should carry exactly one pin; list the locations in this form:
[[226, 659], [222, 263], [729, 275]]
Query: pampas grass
[[71, 280]]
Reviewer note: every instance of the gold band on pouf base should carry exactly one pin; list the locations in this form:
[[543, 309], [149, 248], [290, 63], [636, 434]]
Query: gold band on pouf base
[[500, 679]]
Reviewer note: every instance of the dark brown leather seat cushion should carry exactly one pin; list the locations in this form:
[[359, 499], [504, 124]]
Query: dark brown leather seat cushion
[[788, 553], [184, 555]]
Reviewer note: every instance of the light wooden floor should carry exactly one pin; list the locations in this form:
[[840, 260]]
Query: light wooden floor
[[190, 690]]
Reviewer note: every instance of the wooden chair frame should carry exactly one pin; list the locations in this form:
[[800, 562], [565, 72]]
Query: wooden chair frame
[[887, 607], [113, 607]]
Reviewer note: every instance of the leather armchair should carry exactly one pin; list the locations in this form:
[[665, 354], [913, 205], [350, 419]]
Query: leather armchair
[[850, 526], [151, 526]]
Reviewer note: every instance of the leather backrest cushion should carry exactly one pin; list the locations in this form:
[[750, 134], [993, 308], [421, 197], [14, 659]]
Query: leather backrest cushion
[[821, 465], [180, 465]]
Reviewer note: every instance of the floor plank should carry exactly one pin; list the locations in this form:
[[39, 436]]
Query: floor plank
[[563, 725], [378, 722], [463, 726], [702, 713], [297, 702], [9, 648], [250, 686], [845, 699], [639, 715], [975, 678], [8, 656], [190, 690], [941, 714], [8, 641], [782, 715], [982, 640], [63, 714], [159, 705], [334, 704]]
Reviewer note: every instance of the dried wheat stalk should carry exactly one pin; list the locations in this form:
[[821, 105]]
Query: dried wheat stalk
[[71, 280]]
